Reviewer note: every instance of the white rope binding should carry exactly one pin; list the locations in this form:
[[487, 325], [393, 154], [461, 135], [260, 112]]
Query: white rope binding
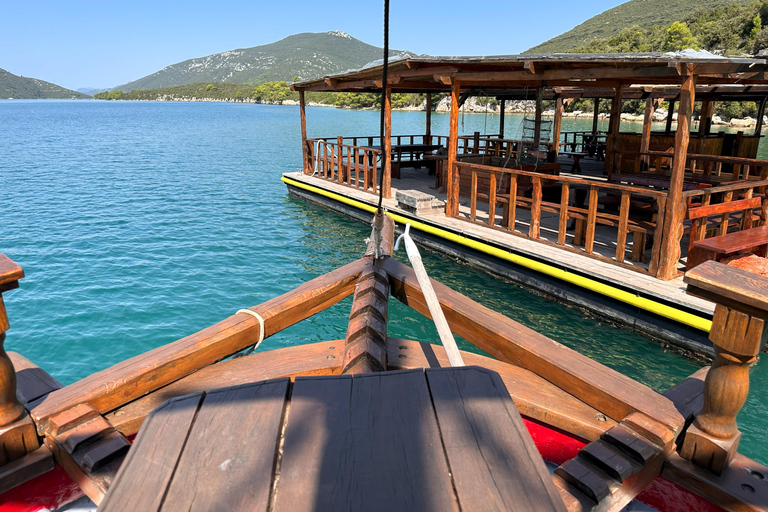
[[446, 336], [261, 331]]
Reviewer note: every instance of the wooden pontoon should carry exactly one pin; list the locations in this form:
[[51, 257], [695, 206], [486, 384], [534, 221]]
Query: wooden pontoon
[[635, 210], [371, 422]]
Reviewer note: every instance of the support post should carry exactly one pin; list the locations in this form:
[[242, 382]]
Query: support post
[[595, 115], [537, 121], [428, 132], [668, 128], [452, 181], [739, 329], [502, 108], [759, 120], [674, 210], [651, 104], [386, 152], [556, 126], [705, 117], [305, 151], [17, 432], [613, 133]]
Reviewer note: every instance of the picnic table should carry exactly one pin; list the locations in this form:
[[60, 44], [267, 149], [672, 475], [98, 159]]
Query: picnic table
[[403, 440], [414, 152]]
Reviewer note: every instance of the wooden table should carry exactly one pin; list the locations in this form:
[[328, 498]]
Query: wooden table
[[405, 440], [411, 150]]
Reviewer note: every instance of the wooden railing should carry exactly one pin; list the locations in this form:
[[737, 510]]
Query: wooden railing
[[627, 208], [580, 140], [728, 222], [346, 164], [700, 165]]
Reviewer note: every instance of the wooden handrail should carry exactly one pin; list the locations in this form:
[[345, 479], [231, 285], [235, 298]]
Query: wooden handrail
[[586, 218]]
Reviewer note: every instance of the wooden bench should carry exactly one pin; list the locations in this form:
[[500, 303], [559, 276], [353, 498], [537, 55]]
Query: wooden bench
[[748, 240]]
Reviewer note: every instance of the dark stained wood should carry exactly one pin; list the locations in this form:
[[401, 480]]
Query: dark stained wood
[[152, 464], [501, 469], [32, 382], [533, 396], [742, 488], [242, 427], [688, 394], [608, 391], [25, 468], [344, 438], [314, 359], [144, 373], [731, 283]]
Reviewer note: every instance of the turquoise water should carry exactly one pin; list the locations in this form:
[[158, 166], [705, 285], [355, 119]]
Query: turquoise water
[[138, 223]]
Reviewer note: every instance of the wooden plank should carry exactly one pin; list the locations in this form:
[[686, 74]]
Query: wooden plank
[[32, 382], [473, 196], [363, 442], [150, 465], [498, 467], [512, 201], [533, 396], [729, 282], [613, 394], [152, 370], [742, 487], [314, 359], [26, 468], [492, 200], [386, 155], [732, 206], [736, 241], [230, 456]]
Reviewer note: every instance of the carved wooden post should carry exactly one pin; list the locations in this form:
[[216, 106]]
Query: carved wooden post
[[17, 432], [452, 202], [502, 108], [738, 331]]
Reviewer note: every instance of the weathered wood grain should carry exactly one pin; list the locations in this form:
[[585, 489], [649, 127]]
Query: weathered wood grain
[[152, 462], [229, 458], [364, 442], [731, 283], [604, 389], [493, 461]]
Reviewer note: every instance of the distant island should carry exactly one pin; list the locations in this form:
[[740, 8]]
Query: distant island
[[21, 87]]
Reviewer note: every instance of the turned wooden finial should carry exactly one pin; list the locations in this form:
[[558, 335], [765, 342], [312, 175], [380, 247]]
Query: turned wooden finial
[[738, 332], [17, 432]]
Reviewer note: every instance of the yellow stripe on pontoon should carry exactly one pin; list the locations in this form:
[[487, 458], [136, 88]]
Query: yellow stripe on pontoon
[[584, 282]]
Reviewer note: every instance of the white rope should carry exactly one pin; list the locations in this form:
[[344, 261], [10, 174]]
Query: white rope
[[261, 330], [446, 337]]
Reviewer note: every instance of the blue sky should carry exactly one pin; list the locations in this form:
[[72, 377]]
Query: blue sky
[[103, 44]]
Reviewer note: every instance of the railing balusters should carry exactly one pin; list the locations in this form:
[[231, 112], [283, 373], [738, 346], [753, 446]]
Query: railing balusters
[[533, 229], [512, 202], [591, 218], [473, 197], [492, 199], [563, 224], [621, 238]]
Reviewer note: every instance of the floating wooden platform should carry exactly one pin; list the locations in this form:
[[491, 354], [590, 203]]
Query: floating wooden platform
[[570, 277]]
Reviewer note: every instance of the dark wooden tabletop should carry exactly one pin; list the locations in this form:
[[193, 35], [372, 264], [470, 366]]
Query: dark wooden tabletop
[[440, 439]]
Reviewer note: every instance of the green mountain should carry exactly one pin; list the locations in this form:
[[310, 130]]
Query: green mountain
[[643, 13], [21, 87], [305, 56]]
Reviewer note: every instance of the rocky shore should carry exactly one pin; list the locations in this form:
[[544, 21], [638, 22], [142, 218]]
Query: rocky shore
[[472, 106]]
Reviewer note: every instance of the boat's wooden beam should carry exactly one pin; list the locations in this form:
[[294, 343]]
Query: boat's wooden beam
[[314, 359], [109, 389], [88, 447], [608, 391]]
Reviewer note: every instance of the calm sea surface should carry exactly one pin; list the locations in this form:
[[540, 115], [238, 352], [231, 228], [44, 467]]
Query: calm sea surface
[[138, 223]]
